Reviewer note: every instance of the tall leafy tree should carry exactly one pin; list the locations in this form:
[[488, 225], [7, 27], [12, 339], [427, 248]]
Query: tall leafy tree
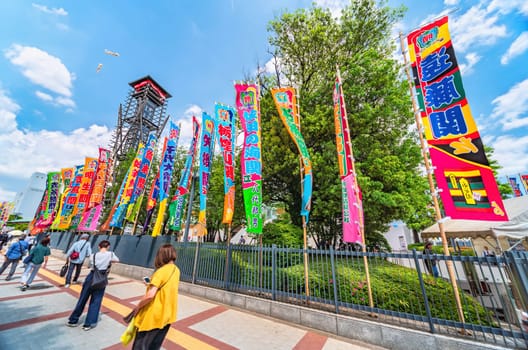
[[308, 45]]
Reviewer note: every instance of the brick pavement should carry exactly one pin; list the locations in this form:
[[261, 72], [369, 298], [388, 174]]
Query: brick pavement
[[36, 318]]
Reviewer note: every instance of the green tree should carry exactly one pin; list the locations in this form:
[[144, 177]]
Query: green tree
[[308, 44], [504, 188]]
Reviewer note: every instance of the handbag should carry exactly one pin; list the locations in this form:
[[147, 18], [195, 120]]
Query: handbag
[[75, 254], [64, 270], [129, 333], [99, 277]]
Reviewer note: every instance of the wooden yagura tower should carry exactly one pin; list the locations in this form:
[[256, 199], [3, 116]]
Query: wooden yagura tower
[[144, 112]]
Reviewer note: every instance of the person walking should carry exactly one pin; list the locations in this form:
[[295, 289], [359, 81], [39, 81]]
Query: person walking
[[159, 306], [100, 261], [39, 255], [14, 253], [4, 237], [487, 252], [76, 255], [430, 260]]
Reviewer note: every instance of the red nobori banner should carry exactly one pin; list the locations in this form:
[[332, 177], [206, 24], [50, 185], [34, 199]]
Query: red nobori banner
[[462, 171]]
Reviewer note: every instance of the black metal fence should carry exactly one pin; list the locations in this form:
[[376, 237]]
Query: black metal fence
[[493, 290]]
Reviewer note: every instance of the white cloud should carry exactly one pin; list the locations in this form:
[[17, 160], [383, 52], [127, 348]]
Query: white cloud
[[517, 48], [62, 26], [512, 107], [450, 2], [65, 101], [185, 122], [54, 11], [44, 96], [58, 101], [44, 150], [41, 68], [6, 196], [335, 6], [510, 152], [48, 150], [505, 7], [8, 110], [484, 31], [471, 59]]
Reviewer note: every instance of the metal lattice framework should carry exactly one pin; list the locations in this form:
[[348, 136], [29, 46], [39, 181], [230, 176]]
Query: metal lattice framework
[[144, 113]]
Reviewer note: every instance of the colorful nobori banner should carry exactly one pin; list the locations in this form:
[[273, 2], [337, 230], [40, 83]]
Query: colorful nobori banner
[[141, 178], [70, 199], [92, 214], [206, 160], [352, 206], [226, 134], [166, 168], [179, 198], [83, 196], [515, 186], [462, 171], [152, 199], [99, 185], [524, 180], [286, 102], [127, 189], [50, 201], [247, 104]]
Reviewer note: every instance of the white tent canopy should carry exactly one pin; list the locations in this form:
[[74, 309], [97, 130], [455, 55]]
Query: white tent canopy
[[516, 227]]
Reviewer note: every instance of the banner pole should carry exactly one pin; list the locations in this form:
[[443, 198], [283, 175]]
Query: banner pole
[[429, 170], [260, 260], [301, 175], [361, 223], [228, 229]]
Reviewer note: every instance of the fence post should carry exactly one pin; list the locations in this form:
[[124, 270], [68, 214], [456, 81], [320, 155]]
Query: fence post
[[424, 294], [229, 259], [518, 263], [334, 279], [195, 264], [274, 272]]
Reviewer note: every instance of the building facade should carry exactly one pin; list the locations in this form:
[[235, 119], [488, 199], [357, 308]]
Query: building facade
[[27, 201]]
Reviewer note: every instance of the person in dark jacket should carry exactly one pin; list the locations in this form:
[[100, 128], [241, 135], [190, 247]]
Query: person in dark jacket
[[15, 252], [430, 259]]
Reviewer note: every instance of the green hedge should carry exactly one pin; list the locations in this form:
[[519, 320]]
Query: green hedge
[[394, 287]]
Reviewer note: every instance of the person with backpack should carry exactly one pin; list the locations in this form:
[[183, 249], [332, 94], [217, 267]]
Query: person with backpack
[[76, 255], [15, 252], [39, 255]]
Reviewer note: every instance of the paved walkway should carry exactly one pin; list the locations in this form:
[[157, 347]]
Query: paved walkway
[[36, 318]]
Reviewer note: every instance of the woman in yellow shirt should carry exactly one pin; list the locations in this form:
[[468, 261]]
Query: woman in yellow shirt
[[159, 307]]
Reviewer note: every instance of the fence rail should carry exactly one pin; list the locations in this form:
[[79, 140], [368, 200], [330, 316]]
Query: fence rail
[[493, 290]]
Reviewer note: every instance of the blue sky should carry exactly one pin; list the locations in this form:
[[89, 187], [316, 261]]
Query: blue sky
[[55, 109]]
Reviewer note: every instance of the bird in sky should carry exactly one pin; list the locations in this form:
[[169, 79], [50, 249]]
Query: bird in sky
[[111, 53], [99, 67]]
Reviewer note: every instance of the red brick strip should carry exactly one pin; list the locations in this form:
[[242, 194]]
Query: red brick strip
[[199, 317], [30, 295], [29, 321], [185, 324], [311, 341]]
